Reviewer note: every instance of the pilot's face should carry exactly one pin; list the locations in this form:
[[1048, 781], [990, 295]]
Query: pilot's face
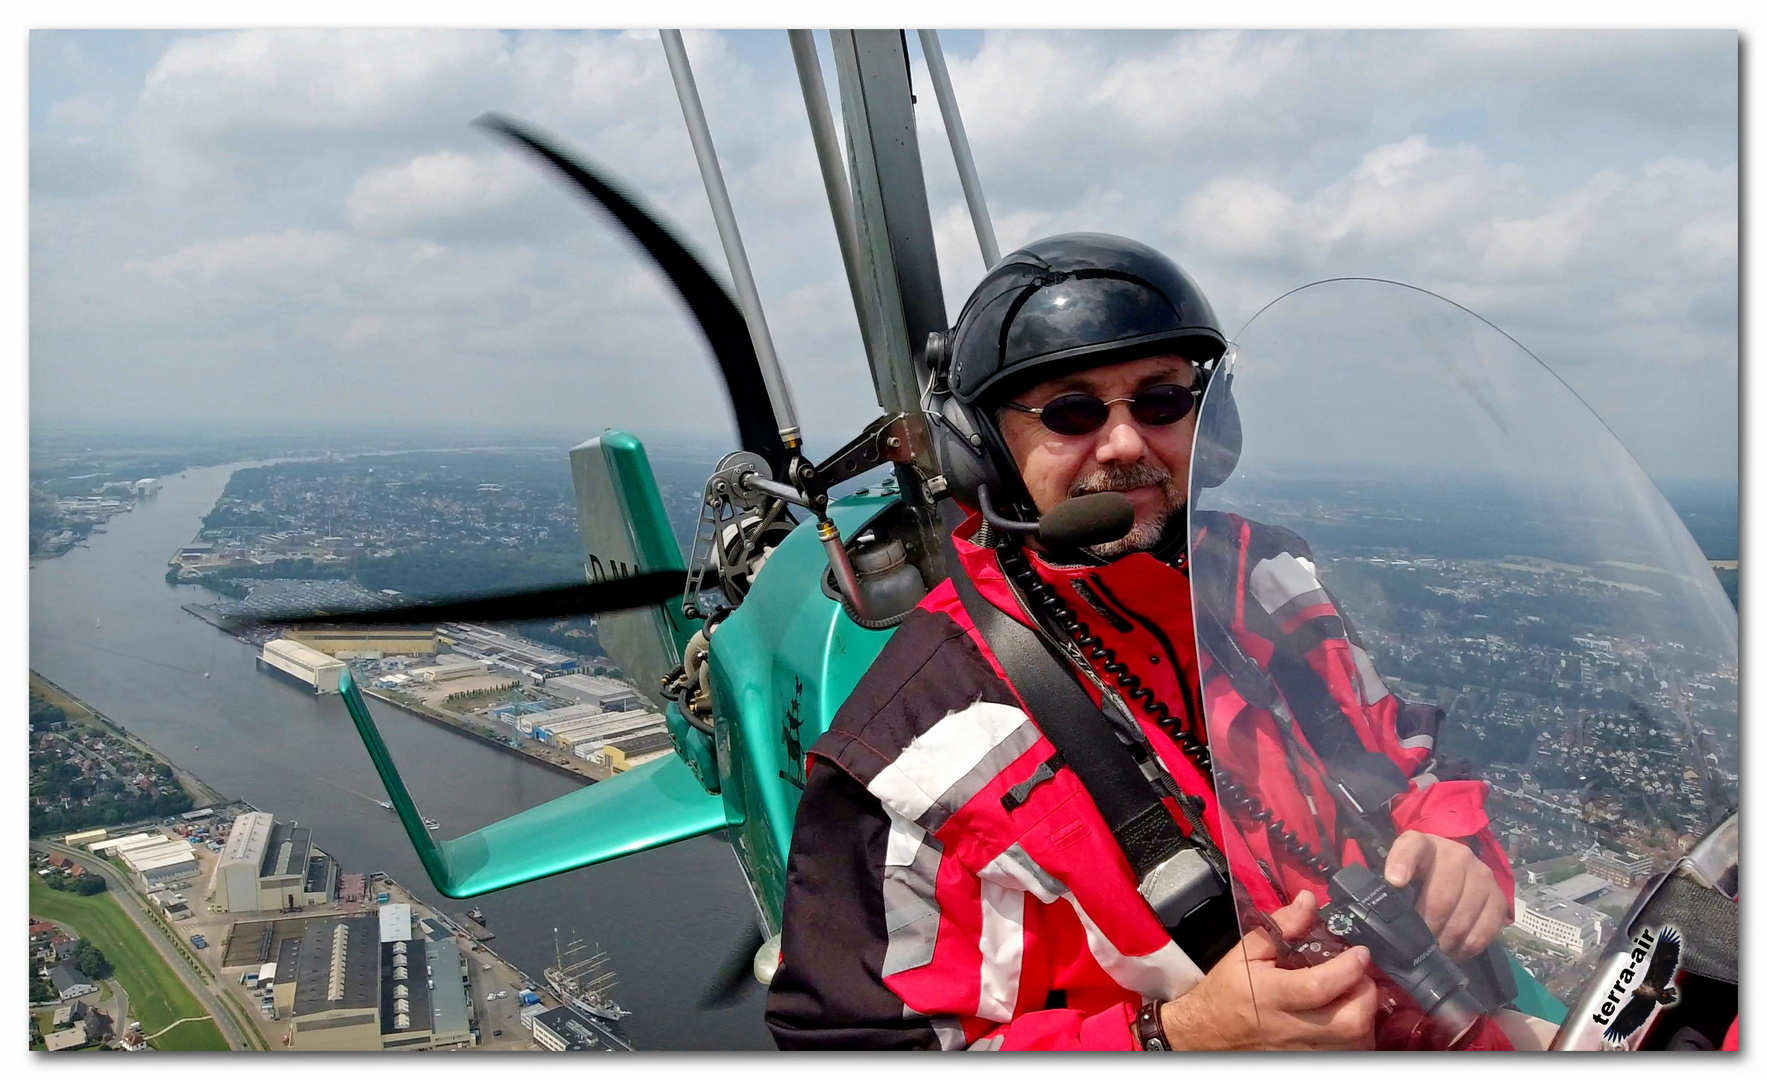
[[1148, 462]]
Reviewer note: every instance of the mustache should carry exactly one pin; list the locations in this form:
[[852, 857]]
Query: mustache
[[1117, 477]]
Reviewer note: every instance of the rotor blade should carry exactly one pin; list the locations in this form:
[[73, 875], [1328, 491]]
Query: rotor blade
[[613, 594], [735, 975], [725, 329]]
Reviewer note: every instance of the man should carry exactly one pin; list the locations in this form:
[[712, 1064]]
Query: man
[[951, 882]]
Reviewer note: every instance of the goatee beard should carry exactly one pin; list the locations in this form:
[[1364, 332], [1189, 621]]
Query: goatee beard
[[1142, 536]]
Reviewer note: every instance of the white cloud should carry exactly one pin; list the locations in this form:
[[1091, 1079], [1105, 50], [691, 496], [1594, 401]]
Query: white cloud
[[263, 258], [1397, 194], [433, 188], [318, 197]]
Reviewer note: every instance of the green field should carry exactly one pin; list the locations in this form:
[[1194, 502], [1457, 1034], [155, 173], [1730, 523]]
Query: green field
[[156, 995]]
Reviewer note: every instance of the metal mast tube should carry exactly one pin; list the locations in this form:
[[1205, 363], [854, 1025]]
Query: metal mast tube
[[966, 165], [834, 173], [725, 216]]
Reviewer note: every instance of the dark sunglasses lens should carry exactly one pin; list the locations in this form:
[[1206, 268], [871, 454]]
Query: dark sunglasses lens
[[1074, 414], [1158, 406]]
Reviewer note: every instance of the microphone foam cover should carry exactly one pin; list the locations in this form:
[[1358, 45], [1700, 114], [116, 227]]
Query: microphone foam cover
[[1086, 520]]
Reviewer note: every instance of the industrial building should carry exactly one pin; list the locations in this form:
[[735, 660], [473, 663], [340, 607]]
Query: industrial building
[[1565, 924], [366, 642], [267, 865], [163, 863], [447, 670], [626, 730], [609, 694], [337, 987], [305, 665], [81, 838], [564, 1029], [369, 983], [123, 843]]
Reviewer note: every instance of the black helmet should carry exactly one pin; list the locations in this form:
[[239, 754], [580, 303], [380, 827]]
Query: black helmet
[[1060, 304]]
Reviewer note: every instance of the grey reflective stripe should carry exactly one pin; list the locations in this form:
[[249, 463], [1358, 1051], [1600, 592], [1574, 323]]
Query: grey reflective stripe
[[949, 1031], [1373, 689], [1300, 603], [1029, 874], [1418, 742], [992, 1042], [911, 908], [993, 763]]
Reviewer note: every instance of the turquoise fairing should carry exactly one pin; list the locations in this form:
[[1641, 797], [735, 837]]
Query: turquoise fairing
[[781, 666], [654, 804]]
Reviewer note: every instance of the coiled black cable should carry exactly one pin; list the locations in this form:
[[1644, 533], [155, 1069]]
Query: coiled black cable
[[1102, 658]]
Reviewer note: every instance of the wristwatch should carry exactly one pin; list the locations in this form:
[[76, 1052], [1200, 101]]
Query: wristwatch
[[1148, 1029]]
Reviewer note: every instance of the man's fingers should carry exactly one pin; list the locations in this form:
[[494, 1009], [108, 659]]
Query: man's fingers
[[1444, 886], [1347, 1022], [1304, 989], [1297, 917], [1293, 919], [1409, 856], [1484, 929], [1471, 906]]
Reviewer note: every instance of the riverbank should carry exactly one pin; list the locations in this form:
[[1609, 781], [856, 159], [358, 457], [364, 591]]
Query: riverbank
[[107, 627], [201, 793]]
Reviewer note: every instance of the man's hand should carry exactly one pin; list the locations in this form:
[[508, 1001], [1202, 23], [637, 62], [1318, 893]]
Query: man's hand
[[1246, 1002], [1457, 895]]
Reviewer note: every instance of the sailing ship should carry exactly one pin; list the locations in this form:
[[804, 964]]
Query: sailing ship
[[584, 982]]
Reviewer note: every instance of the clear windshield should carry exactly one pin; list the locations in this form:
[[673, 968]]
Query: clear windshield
[[1436, 596]]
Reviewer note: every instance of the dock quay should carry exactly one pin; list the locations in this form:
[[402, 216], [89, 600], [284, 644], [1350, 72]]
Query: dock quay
[[579, 770], [478, 736]]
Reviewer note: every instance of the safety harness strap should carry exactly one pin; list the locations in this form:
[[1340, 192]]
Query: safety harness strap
[[1178, 881]]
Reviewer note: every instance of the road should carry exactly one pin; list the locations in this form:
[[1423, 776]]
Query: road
[[135, 906]]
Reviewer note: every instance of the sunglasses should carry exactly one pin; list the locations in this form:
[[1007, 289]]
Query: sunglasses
[[1082, 414]]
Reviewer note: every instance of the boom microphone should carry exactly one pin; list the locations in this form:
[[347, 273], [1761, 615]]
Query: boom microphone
[[1080, 522]]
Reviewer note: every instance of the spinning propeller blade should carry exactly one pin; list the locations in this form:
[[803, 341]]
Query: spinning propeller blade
[[725, 329], [735, 975], [614, 594]]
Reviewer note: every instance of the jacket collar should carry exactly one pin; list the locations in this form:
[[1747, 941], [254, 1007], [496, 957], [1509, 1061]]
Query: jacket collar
[[1160, 576]]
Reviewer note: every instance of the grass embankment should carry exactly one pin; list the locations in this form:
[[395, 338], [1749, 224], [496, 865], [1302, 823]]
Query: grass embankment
[[156, 995]]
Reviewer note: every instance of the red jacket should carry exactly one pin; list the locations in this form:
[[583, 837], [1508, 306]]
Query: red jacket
[[948, 889]]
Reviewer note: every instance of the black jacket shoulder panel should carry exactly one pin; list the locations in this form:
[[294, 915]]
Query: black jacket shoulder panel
[[930, 669]]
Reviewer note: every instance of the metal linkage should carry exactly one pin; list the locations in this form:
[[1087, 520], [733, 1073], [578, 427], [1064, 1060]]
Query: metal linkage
[[728, 495]]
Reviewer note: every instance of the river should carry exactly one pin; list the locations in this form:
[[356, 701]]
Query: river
[[108, 629]]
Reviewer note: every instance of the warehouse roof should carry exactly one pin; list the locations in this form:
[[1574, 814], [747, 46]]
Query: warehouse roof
[[248, 839], [395, 922], [302, 655], [338, 966], [287, 851], [156, 858]]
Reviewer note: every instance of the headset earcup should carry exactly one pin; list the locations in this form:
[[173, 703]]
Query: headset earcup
[[1218, 438], [965, 466]]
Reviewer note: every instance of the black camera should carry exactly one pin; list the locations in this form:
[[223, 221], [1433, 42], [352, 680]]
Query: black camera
[[1366, 910]]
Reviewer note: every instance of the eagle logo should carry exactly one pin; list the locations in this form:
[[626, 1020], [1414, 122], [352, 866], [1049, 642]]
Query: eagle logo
[[1632, 1000]]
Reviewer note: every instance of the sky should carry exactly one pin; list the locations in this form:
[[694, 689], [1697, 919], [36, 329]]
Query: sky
[[278, 227]]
